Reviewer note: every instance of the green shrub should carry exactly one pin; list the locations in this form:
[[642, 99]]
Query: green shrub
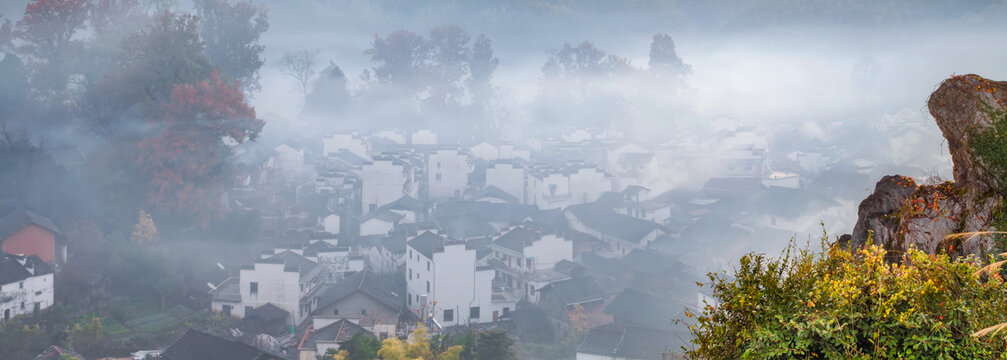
[[842, 304]]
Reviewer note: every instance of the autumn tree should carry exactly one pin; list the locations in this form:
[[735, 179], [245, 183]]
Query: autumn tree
[[145, 232], [231, 32], [300, 65], [6, 33], [188, 162], [664, 61], [110, 23], [45, 35], [359, 347]]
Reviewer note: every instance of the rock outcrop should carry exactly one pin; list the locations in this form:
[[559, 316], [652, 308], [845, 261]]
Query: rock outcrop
[[901, 214]]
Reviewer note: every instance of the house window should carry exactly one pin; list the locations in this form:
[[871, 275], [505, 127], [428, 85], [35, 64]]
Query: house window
[[253, 287], [474, 312], [20, 285], [428, 286], [248, 309], [335, 311], [363, 312], [552, 189], [428, 266], [409, 298], [410, 273], [22, 305], [449, 315], [438, 176], [506, 311], [226, 310], [410, 253]]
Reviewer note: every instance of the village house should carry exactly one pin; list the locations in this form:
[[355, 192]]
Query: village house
[[445, 285], [23, 232], [447, 174], [373, 301], [322, 336], [628, 343], [288, 160], [561, 298], [383, 181], [622, 233], [197, 345], [423, 137], [510, 178], [26, 285], [524, 259], [348, 141], [286, 280]]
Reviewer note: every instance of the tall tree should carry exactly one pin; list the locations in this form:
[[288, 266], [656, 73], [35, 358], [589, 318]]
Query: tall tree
[[481, 66], [447, 64], [231, 32], [329, 96], [300, 65], [46, 33], [188, 162], [6, 33], [664, 62], [401, 56]]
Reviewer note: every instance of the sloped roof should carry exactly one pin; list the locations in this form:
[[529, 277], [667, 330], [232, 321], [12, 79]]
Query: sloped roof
[[197, 345], [628, 343], [337, 332], [518, 238], [382, 288], [427, 244], [12, 271], [576, 290], [467, 226], [637, 308], [18, 219], [552, 218], [407, 203], [493, 192], [383, 215], [54, 352], [268, 312], [652, 263], [611, 223], [291, 260]]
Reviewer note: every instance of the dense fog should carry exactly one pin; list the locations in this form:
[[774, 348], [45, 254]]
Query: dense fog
[[619, 151]]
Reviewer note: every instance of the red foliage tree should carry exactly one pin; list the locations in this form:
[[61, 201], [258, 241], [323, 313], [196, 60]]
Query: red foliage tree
[[187, 162]]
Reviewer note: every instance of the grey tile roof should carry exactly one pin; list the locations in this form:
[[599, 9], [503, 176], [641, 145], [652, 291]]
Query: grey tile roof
[[18, 219], [197, 345], [427, 244], [382, 288], [640, 309], [629, 343], [337, 332], [517, 239], [293, 261]]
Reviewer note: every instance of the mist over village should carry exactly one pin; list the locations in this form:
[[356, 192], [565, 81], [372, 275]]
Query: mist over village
[[483, 180]]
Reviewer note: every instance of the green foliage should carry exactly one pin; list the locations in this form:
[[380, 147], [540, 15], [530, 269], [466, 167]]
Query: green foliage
[[990, 145], [361, 347], [494, 345], [841, 304]]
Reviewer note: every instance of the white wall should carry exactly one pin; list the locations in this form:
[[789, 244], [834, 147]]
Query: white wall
[[344, 141], [424, 137], [447, 174], [455, 284], [23, 292], [485, 151], [548, 251], [587, 185], [509, 179], [382, 183], [331, 224], [375, 226], [275, 286]]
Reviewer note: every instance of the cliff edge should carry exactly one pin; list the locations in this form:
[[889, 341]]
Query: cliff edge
[[971, 113]]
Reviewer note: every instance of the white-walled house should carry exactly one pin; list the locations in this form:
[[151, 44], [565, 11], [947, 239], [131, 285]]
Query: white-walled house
[[622, 233], [549, 188], [588, 183], [445, 283], [485, 151], [288, 159], [510, 151], [508, 177], [26, 285], [344, 141], [447, 174], [330, 223], [524, 259], [382, 182], [286, 280]]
